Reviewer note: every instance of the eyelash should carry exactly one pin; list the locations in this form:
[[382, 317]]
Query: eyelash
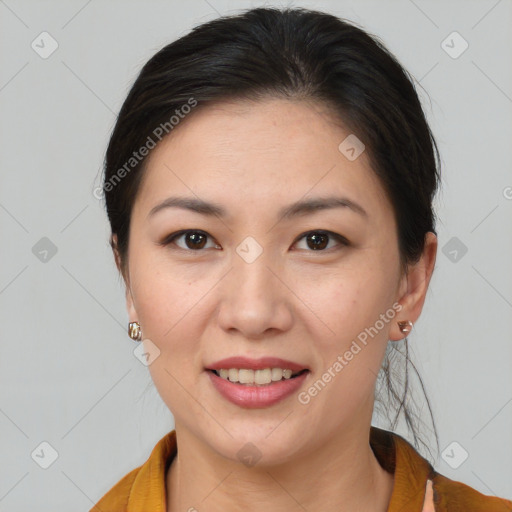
[[339, 238]]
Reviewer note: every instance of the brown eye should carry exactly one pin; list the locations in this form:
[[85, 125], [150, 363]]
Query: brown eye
[[192, 240], [319, 240], [195, 240]]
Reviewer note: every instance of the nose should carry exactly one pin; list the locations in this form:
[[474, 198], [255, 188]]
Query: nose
[[255, 299]]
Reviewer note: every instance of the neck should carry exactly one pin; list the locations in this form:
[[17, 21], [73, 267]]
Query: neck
[[343, 475]]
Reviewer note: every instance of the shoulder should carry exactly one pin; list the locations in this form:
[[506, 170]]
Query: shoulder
[[412, 472], [116, 499], [453, 496], [143, 488]]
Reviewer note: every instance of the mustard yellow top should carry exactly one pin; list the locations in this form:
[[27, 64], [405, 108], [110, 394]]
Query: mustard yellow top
[[417, 486]]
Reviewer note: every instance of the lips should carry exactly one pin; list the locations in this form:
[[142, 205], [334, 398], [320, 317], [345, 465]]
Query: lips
[[256, 364], [257, 395]]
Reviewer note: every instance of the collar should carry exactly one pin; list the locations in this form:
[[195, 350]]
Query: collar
[[146, 485]]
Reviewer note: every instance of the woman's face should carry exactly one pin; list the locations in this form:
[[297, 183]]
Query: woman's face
[[249, 282]]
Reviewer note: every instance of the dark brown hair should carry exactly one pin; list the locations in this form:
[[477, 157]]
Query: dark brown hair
[[293, 54]]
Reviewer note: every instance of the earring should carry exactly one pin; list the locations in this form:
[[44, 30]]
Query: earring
[[134, 331], [405, 326]]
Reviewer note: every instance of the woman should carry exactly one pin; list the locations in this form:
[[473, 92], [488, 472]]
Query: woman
[[269, 184]]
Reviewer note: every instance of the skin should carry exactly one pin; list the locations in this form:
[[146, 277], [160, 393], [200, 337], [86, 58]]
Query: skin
[[202, 305]]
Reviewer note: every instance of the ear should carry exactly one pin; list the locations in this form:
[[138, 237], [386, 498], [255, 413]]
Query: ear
[[130, 307], [117, 257], [413, 287]]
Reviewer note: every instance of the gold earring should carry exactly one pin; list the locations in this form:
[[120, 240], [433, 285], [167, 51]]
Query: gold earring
[[405, 326], [135, 331]]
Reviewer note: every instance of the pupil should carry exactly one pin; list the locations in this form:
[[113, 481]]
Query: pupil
[[318, 240], [195, 238]]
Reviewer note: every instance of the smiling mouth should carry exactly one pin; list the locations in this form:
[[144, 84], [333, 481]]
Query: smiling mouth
[[248, 377]]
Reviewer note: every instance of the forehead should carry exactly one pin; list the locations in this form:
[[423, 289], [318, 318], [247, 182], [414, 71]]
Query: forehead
[[270, 151]]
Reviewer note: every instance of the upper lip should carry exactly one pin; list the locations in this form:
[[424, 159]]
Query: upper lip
[[256, 364]]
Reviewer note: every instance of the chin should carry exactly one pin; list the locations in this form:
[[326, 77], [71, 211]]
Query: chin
[[260, 445]]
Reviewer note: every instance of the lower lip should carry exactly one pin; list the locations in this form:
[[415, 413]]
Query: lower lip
[[256, 397]]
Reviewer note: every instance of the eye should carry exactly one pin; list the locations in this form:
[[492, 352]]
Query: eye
[[319, 240], [193, 239]]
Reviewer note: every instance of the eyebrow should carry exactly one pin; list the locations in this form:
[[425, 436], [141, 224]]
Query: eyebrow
[[299, 208]]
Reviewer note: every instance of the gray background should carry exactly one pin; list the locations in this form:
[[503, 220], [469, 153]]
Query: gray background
[[67, 369]]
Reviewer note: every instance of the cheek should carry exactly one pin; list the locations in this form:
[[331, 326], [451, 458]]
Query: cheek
[[351, 338], [165, 294], [347, 302], [171, 309]]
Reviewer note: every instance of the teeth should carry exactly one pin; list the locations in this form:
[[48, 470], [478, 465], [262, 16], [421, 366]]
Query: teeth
[[246, 376], [258, 377], [277, 374], [261, 376]]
